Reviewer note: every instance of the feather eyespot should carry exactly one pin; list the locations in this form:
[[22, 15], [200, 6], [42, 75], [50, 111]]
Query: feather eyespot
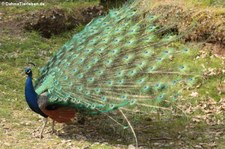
[[181, 67]]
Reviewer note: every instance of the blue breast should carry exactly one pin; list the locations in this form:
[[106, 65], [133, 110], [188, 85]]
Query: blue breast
[[32, 97]]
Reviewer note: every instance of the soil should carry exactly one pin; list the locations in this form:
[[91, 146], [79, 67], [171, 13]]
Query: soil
[[55, 21], [209, 27], [50, 22]]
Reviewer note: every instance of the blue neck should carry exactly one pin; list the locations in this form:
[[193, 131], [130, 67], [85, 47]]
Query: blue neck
[[32, 97]]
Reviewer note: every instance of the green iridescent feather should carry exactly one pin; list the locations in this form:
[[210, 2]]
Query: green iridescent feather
[[123, 59]]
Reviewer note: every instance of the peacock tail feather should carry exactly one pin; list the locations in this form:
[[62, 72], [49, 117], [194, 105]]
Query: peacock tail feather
[[123, 59]]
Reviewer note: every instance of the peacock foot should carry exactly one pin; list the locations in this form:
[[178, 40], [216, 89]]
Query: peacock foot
[[53, 130], [37, 134]]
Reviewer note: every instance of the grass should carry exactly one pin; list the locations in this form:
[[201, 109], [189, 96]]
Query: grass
[[10, 11], [193, 3], [218, 3], [17, 122]]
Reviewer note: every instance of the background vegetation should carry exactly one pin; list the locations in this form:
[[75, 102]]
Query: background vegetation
[[202, 127]]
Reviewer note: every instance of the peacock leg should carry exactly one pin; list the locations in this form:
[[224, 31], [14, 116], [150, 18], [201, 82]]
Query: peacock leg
[[43, 127], [53, 125]]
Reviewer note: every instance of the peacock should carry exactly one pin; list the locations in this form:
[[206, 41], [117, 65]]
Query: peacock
[[123, 60]]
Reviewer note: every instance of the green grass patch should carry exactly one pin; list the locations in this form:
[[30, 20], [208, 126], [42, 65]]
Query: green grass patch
[[12, 10]]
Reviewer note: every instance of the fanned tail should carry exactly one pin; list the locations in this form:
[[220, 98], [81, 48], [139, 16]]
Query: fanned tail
[[122, 59]]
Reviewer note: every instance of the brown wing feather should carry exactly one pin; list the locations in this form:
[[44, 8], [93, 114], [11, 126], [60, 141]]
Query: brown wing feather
[[59, 114]]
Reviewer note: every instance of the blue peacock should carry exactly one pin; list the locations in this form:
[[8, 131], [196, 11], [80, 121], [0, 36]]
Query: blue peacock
[[123, 60]]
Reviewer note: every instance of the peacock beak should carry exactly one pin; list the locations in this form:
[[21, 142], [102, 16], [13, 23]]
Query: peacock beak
[[27, 71]]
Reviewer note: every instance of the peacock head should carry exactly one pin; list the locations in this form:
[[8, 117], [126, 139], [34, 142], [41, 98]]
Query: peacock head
[[28, 71]]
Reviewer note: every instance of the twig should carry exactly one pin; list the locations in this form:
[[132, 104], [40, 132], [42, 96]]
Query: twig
[[114, 120], [159, 139], [132, 129]]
